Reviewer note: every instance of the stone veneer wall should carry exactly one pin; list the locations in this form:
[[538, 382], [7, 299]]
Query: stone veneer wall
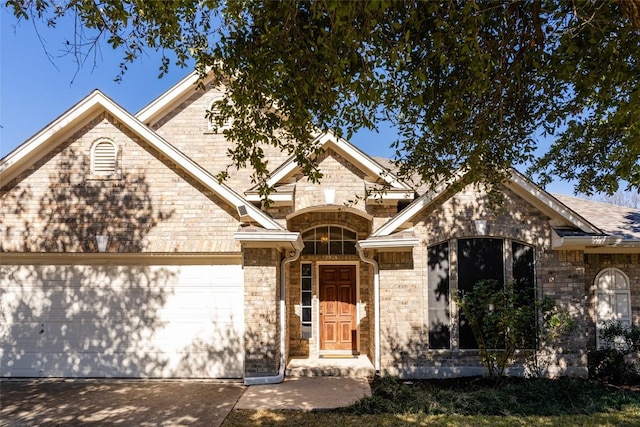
[[404, 290], [261, 311]]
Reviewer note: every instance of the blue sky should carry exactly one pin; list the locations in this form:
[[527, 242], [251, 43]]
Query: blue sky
[[35, 88]]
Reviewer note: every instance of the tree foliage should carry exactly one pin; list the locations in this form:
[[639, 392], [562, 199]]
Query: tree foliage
[[469, 85]]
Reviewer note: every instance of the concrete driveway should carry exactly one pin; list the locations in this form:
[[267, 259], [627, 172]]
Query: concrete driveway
[[121, 402]]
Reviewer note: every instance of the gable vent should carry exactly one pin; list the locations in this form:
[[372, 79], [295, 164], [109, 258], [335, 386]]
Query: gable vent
[[104, 158]]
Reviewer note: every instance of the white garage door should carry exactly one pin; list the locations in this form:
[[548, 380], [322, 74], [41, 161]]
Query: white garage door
[[158, 321]]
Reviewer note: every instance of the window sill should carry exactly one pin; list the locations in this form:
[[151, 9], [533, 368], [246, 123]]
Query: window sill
[[105, 177]]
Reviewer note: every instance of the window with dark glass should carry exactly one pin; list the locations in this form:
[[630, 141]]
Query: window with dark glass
[[478, 260], [438, 299], [524, 285], [306, 292]]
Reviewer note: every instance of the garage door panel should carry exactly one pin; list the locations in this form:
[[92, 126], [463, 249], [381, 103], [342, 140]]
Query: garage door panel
[[152, 321]]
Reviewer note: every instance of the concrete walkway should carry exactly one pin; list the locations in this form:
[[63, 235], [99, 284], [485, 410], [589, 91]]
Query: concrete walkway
[[305, 393], [116, 402], [157, 402]]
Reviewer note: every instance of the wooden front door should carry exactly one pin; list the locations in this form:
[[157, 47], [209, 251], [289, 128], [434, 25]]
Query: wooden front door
[[338, 307]]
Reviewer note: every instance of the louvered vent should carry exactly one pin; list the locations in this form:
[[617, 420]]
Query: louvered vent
[[213, 119], [104, 158]]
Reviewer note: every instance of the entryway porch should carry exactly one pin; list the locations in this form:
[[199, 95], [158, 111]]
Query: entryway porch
[[357, 366]]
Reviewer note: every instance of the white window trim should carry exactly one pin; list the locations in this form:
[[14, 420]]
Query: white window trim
[[211, 128], [600, 293], [329, 240], [101, 175], [302, 306]]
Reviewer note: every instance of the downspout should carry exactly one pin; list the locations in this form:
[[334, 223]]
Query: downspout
[[275, 379], [376, 307]]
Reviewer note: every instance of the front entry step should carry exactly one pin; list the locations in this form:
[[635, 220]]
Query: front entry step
[[348, 367]]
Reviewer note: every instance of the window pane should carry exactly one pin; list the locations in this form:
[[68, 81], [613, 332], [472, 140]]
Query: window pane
[[322, 248], [622, 305], [349, 235], [306, 284], [335, 233], [439, 335], [438, 296], [306, 299], [336, 247], [322, 234], [309, 234], [349, 248], [306, 270], [523, 266], [621, 282], [306, 332], [478, 259], [306, 314], [309, 248]]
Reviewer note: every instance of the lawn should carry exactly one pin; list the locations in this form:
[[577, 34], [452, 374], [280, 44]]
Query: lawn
[[470, 402]]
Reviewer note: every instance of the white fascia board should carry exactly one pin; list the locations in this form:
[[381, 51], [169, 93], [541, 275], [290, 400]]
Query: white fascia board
[[353, 153], [287, 238], [62, 127], [552, 203], [582, 242], [287, 167], [195, 170], [388, 243], [37, 146], [344, 147], [158, 106], [416, 206]]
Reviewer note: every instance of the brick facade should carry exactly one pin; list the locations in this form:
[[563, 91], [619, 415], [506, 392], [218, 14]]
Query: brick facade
[[299, 347], [151, 206], [261, 311], [58, 206], [404, 297]]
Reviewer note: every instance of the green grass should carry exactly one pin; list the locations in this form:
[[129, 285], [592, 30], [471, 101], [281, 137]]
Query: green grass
[[469, 402]]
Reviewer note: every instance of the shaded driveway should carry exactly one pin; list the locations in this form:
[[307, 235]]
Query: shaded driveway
[[117, 402]]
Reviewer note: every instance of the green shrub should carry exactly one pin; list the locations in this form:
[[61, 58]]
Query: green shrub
[[610, 363], [516, 397]]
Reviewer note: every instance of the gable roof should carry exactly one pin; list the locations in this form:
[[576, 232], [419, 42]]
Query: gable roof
[[396, 189], [64, 126], [517, 183], [167, 101]]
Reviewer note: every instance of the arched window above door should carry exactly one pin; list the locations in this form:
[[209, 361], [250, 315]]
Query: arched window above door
[[329, 240]]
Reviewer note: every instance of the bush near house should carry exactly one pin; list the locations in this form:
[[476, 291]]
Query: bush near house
[[611, 363], [480, 396]]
